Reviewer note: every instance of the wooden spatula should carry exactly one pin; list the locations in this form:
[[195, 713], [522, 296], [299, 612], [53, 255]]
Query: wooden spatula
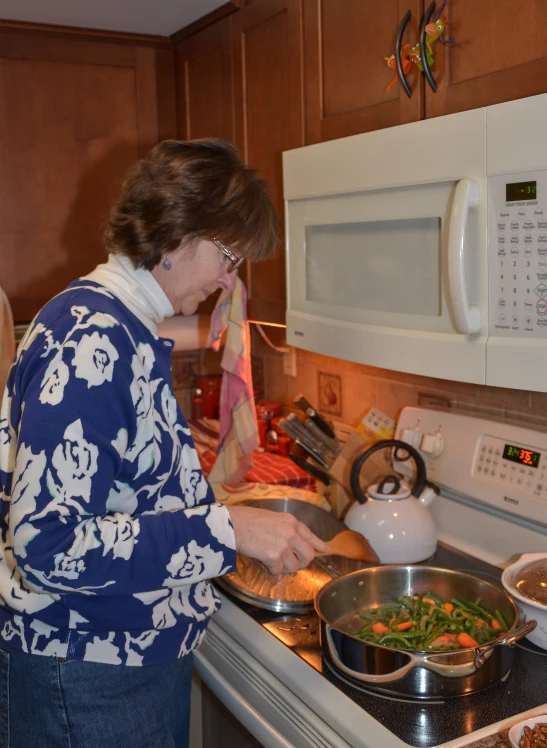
[[351, 544]]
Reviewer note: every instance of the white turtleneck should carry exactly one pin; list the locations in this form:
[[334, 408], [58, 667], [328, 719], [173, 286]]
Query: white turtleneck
[[136, 288]]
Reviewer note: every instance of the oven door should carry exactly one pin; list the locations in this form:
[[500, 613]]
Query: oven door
[[386, 252]]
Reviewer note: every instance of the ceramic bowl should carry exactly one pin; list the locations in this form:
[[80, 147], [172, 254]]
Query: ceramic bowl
[[517, 731], [531, 609]]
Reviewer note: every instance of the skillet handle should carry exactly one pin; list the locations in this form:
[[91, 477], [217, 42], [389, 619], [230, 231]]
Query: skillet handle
[[386, 678], [481, 653]]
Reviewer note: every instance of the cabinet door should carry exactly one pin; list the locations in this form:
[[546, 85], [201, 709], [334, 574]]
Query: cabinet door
[[75, 114], [346, 74], [500, 54], [204, 83], [268, 107]]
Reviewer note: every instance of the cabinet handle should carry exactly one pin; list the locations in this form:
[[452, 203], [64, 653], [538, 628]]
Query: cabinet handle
[[467, 317], [398, 43], [423, 51]]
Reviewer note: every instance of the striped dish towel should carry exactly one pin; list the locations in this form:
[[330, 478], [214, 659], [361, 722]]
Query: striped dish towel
[[238, 436]]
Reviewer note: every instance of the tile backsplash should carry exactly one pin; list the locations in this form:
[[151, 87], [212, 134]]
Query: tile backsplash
[[351, 389]]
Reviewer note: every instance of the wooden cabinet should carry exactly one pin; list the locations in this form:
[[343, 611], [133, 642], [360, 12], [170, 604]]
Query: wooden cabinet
[[241, 79], [205, 83], [500, 54], [268, 120], [346, 75], [76, 113]]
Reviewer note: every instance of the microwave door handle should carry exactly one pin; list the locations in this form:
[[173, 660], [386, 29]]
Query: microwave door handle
[[467, 317]]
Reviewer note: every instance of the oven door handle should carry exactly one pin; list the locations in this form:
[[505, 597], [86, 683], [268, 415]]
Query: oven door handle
[[467, 317], [262, 730]]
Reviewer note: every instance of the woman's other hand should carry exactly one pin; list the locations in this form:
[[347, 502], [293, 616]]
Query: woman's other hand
[[276, 539]]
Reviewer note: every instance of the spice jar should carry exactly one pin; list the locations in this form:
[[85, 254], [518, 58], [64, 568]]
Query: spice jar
[[210, 387]]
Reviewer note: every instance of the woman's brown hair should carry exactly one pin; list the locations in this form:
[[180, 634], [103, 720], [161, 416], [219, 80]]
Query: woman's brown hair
[[191, 190]]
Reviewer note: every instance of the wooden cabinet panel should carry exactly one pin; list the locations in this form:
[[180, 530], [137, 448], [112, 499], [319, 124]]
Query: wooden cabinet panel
[[500, 54], [345, 43], [205, 83], [269, 120], [70, 127]]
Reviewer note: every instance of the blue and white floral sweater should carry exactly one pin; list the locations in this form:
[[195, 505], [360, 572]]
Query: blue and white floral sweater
[[108, 529]]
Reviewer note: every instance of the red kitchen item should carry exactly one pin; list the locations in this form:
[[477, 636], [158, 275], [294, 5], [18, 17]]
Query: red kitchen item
[[274, 425], [210, 387], [262, 431], [197, 404], [265, 411], [283, 444]]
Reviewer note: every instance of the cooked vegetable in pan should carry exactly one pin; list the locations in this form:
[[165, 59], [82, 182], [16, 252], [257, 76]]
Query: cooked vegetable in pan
[[426, 623]]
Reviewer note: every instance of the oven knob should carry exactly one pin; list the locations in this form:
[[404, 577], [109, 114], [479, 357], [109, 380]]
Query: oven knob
[[432, 444], [412, 437]]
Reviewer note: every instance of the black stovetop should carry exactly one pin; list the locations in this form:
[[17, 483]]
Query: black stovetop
[[415, 722]]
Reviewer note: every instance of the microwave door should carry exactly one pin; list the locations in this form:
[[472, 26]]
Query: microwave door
[[393, 278]]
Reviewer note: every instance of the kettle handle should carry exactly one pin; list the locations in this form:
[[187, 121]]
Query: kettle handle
[[357, 466]]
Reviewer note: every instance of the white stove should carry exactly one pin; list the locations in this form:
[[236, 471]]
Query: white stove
[[268, 670]]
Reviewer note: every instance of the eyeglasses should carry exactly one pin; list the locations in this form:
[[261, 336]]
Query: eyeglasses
[[235, 262]]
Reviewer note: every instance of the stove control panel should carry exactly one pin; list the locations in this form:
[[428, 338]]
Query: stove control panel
[[512, 466], [494, 463]]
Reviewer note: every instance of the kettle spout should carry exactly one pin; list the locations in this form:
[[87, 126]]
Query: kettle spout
[[429, 493]]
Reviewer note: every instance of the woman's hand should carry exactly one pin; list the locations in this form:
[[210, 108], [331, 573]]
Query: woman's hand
[[276, 539]]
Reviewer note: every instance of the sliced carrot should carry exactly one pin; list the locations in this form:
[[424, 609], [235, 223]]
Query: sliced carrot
[[429, 601], [449, 607], [379, 628], [465, 641], [451, 637], [496, 624], [404, 626], [391, 620], [440, 641], [479, 622]]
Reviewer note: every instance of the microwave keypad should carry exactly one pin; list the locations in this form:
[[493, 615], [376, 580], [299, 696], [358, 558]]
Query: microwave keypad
[[518, 261], [491, 466]]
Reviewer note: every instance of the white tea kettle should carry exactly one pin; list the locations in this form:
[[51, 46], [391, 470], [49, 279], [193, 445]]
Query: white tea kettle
[[394, 518]]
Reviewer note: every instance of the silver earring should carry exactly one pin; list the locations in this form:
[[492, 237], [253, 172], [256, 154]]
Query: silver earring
[[167, 264]]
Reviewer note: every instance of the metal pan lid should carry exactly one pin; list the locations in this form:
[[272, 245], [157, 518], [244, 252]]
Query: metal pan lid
[[530, 580], [287, 593]]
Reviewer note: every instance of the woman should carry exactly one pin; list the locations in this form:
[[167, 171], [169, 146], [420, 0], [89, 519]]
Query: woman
[[110, 532]]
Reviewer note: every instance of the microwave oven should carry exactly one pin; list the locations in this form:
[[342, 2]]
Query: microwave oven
[[422, 248]]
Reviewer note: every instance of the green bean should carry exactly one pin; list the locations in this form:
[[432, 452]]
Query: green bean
[[435, 597], [396, 638], [431, 638], [481, 611], [407, 602], [501, 619]]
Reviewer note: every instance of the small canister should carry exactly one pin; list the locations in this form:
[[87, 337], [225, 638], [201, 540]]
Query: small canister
[[210, 387], [265, 411]]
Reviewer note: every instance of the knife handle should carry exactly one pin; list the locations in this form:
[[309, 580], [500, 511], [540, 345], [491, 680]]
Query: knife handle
[[311, 469], [304, 405]]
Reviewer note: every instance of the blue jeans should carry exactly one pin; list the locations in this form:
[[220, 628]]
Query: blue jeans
[[47, 702]]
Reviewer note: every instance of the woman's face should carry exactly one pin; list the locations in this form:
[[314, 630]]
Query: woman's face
[[196, 272]]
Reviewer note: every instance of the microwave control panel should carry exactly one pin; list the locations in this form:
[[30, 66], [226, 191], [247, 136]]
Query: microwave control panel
[[517, 254]]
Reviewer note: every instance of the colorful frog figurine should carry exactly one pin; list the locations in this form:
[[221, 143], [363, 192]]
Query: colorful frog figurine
[[416, 56], [406, 64]]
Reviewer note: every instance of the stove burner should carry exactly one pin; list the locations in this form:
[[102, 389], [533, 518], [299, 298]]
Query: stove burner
[[354, 683]]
